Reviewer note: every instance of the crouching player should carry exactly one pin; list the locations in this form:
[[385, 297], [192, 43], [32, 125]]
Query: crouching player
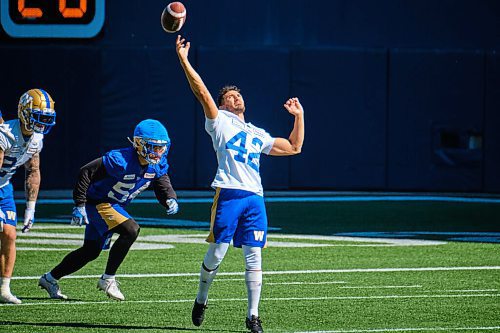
[[21, 141], [105, 187]]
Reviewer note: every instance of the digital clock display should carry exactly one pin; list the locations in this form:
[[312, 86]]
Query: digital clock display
[[52, 18]]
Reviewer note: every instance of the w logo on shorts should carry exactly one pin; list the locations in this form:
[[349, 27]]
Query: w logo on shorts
[[11, 215], [258, 235]]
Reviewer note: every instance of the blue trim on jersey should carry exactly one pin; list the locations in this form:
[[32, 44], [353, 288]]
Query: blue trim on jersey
[[8, 205], [240, 216]]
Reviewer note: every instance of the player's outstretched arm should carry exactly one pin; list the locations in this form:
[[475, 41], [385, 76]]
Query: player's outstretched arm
[[195, 82], [292, 146]]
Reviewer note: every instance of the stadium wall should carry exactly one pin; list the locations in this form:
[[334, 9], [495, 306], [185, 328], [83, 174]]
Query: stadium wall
[[397, 97]]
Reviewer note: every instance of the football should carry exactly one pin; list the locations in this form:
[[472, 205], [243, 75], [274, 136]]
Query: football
[[173, 17]]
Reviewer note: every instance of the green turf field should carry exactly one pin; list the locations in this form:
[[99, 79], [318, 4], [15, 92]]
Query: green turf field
[[311, 284]]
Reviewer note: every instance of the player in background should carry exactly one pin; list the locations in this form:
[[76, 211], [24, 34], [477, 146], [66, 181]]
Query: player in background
[[21, 141], [104, 188], [238, 211]]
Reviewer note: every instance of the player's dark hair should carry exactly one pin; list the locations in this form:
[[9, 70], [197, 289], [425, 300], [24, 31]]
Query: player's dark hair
[[223, 91]]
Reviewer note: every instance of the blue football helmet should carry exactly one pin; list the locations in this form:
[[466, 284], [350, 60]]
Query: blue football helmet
[[151, 140], [36, 111]]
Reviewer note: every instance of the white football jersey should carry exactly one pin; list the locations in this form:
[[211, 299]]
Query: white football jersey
[[17, 150], [238, 146]]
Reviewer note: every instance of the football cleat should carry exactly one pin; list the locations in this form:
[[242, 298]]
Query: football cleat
[[111, 288], [151, 140], [51, 287], [254, 324], [198, 313], [36, 111], [7, 297]]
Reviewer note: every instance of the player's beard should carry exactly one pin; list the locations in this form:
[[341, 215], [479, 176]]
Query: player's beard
[[236, 109]]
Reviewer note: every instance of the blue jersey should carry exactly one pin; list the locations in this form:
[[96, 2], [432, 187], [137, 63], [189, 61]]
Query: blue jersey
[[126, 178]]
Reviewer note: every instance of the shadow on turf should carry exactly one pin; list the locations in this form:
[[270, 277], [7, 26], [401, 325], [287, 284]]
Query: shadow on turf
[[108, 326], [50, 299], [451, 236]]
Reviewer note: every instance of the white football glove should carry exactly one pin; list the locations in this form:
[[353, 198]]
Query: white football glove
[[29, 219], [79, 217], [173, 206]]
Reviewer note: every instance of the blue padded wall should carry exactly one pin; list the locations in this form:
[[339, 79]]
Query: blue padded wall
[[343, 92], [492, 124], [397, 96], [434, 98]]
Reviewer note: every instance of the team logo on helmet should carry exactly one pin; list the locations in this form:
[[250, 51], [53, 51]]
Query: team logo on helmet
[[151, 140], [36, 111]]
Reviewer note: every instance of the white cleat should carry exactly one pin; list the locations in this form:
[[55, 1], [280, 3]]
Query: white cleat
[[7, 297], [111, 287], [51, 287]]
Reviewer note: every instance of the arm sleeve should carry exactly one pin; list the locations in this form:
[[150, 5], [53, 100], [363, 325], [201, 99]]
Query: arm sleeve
[[212, 124], [5, 135], [268, 143], [91, 172], [164, 190]]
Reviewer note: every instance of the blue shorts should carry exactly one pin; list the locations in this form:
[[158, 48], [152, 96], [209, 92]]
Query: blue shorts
[[8, 205], [102, 218], [239, 216]]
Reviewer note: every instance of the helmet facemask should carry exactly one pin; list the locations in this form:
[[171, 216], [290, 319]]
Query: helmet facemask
[[151, 150], [41, 121]]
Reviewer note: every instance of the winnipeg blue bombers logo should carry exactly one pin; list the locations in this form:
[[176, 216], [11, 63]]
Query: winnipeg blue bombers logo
[[11, 215], [258, 235]]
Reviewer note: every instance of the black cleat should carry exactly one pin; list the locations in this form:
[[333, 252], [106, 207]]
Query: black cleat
[[254, 325], [198, 313]]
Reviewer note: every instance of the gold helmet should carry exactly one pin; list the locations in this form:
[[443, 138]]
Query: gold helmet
[[36, 111]]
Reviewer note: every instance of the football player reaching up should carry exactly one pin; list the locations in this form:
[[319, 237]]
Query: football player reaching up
[[238, 211], [21, 141], [104, 188]]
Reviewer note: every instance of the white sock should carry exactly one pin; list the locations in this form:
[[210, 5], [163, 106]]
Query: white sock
[[206, 278], [209, 268], [253, 280], [108, 277], [5, 285]]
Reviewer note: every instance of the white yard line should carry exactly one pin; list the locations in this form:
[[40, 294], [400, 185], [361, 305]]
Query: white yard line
[[276, 299], [470, 290], [411, 329], [379, 287], [319, 271], [301, 283]]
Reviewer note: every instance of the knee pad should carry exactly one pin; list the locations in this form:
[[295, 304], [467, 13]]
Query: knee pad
[[214, 255], [253, 257]]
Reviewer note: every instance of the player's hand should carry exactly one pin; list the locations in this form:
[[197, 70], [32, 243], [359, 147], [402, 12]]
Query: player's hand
[[79, 217], [293, 106], [173, 206], [182, 47], [29, 219]]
